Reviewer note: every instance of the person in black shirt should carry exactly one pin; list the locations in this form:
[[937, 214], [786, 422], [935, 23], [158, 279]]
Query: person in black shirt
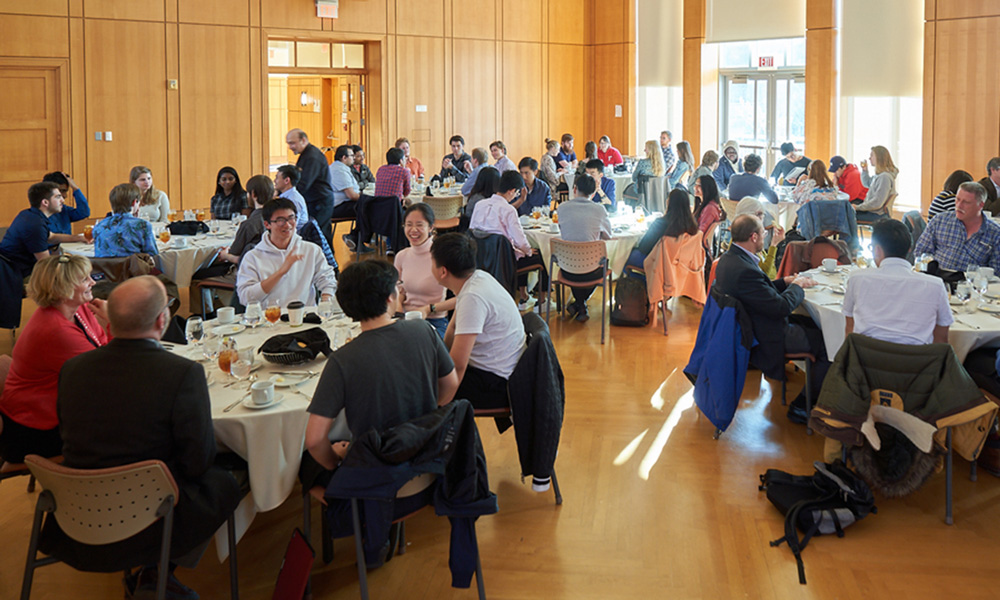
[[314, 184], [359, 169], [458, 164], [793, 163]]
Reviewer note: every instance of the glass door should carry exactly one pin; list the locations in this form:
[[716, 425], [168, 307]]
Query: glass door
[[761, 111]]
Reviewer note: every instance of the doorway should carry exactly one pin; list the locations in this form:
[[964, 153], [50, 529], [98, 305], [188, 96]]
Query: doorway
[[319, 87], [761, 111]]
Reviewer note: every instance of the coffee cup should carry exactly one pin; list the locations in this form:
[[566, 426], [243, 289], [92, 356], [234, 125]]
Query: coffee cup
[[553, 228], [262, 392], [296, 311], [829, 265], [413, 315], [180, 242], [226, 315]]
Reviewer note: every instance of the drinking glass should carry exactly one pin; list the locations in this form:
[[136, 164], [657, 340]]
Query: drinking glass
[[325, 310], [253, 314], [165, 235], [241, 367], [194, 330], [970, 272], [980, 284], [88, 233], [963, 291], [226, 359], [211, 344], [273, 311]]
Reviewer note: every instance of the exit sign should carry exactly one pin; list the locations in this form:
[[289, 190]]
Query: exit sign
[[327, 9], [765, 62]]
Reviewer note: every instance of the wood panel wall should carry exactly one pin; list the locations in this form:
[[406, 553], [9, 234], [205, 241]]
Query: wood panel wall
[[961, 93], [821, 78], [694, 39], [515, 70]]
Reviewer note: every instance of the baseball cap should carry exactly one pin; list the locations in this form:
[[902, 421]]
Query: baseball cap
[[836, 162]]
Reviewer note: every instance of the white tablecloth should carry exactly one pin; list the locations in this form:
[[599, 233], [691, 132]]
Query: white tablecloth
[[178, 264], [970, 331], [619, 247], [622, 181], [270, 440]]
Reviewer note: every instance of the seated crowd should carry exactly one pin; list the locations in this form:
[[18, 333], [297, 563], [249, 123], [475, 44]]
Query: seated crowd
[[474, 335]]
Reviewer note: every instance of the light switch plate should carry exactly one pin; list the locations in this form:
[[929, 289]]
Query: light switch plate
[[107, 136]]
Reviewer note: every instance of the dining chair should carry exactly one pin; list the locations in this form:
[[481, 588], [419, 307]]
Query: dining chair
[[579, 258], [104, 506], [447, 211], [7, 469]]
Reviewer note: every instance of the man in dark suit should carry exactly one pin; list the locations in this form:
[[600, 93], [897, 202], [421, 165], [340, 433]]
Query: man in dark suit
[[992, 184], [314, 183], [770, 305], [129, 401]]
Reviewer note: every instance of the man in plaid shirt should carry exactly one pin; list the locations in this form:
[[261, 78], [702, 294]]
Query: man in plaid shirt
[[964, 236], [392, 178]]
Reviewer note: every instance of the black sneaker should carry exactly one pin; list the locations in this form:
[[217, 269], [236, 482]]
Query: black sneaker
[[582, 316], [176, 590], [797, 410], [349, 242]]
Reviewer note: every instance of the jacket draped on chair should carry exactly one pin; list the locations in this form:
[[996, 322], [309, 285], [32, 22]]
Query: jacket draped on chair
[[676, 267]]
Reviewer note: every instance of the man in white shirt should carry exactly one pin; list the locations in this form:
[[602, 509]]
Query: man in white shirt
[[283, 267], [485, 337], [893, 303], [285, 180], [582, 220]]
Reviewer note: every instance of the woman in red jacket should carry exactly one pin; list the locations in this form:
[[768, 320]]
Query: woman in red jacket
[[68, 322]]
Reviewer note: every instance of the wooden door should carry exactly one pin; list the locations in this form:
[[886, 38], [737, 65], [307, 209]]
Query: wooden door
[[30, 132], [350, 90]]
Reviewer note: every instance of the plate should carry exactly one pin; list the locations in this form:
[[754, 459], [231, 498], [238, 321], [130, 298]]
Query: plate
[[954, 301], [249, 403], [231, 329], [990, 308], [838, 289], [992, 295], [289, 380]]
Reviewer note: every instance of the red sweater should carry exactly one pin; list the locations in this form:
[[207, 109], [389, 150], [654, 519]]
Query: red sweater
[[611, 157], [850, 183], [48, 340]]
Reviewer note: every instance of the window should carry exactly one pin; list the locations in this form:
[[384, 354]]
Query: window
[[743, 55], [316, 55]]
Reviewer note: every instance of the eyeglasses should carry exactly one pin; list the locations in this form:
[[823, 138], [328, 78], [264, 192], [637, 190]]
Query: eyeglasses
[[283, 220]]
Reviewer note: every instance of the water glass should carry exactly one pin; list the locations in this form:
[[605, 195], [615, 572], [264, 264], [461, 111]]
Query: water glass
[[253, 314], [194, 330], [211, 345], [241, 367], [963, 291], [325, 310]]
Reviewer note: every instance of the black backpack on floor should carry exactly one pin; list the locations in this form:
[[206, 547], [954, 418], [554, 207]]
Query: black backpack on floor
[[825, 502], [631, 306]]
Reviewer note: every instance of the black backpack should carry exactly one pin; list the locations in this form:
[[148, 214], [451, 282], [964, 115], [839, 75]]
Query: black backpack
[[825, 502], [631, 306]]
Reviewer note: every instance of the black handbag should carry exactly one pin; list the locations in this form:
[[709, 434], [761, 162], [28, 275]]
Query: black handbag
[[295, 348]]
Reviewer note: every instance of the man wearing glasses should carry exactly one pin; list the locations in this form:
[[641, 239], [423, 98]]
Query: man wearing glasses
[[283, 267]]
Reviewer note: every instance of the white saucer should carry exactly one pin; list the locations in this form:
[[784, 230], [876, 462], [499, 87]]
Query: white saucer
[[230, 329], [989, 308], [954, 301], [838, 289], [249, 403]]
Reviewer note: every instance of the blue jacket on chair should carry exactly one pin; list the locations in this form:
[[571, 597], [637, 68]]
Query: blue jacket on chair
[[819, 216], [718, 364]]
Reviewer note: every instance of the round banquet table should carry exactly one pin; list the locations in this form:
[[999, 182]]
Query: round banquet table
[[968, 332], [177, 263], [271, 440], [785, 211], [619, 246]]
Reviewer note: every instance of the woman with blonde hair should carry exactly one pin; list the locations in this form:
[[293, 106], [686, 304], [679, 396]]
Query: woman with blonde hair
[[547, 165], [652, 165], [153, 203], [68, 322], [817, 185], [881, 187]]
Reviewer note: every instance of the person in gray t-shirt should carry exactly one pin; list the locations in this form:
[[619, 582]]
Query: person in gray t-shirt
[[582, 220], [395, 371]]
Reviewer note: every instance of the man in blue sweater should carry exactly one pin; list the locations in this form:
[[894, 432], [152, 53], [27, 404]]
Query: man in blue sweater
[[749, 183], [62, 221]]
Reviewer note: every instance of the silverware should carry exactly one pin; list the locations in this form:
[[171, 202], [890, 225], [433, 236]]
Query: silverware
[[235, 404], [307, 373]]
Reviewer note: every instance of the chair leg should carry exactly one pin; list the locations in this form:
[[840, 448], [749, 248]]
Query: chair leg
[[479, 566], [205, 297], [360, 548], [31, 483], [402, 538], [663, 307], [604, 303], [808, 389], [307, 534], [325, 536], [973, 473], [29, 567], [783, 384], [164, 567], [555, 488], [947, 482], [234, 582]]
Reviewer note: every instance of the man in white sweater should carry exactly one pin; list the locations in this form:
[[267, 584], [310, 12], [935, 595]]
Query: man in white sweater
[[283, 266]]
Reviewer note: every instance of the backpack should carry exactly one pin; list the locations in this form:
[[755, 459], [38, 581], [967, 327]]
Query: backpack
[[631, 306], [825, 502]]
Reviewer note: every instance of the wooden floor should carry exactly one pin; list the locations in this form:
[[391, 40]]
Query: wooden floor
[[654, 507]]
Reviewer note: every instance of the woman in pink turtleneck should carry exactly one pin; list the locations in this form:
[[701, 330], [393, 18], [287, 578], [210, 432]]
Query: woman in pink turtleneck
[[418, 288]]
